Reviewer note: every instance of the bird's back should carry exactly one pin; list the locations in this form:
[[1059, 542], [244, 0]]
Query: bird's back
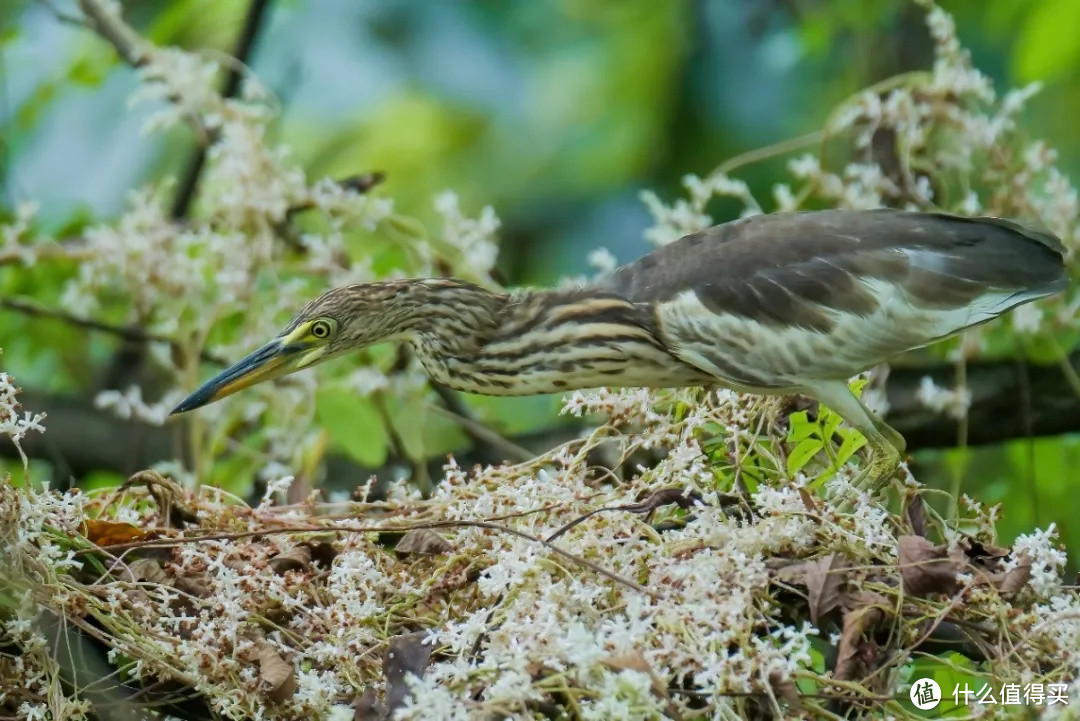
[[768, 300]]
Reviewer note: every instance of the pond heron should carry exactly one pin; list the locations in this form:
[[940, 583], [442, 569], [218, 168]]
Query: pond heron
[[785, 303]]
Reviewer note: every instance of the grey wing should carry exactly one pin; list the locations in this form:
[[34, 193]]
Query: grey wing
[[833, 292]]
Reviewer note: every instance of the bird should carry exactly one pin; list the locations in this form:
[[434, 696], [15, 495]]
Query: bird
[[791, 303]]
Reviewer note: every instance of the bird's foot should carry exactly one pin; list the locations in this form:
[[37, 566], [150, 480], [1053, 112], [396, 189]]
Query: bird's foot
[[884, 463]]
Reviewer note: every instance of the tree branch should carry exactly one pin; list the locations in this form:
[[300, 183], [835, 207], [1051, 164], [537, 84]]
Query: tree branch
[[1009, 399], [253, 22], [28, 307], [112, 28]]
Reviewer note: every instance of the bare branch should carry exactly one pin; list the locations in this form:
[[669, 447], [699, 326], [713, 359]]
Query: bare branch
[[32, 308], [104, 19], [253, 22]]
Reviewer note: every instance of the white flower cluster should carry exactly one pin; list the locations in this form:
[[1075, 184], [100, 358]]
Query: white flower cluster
[[129, 404], [689, 216], [474, 239], [15, 423], [626, 604], [951, 402], [17, 243]]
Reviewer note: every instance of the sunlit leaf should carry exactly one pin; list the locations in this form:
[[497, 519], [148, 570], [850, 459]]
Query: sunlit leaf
[[354, 425]]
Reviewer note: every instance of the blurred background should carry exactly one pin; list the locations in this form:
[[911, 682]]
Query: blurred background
[[557, 113]]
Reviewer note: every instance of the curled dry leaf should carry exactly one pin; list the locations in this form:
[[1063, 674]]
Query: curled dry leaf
[[825, 579], [297, 559], [110, 533], [422, 541], [323, 553], [192, 585], [1015, 578], [866, 611], [149, 570], [926, 568], [915, 513], [275, 673]]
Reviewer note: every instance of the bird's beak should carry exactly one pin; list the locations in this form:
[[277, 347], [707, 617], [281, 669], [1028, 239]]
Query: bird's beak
[[277, 358]]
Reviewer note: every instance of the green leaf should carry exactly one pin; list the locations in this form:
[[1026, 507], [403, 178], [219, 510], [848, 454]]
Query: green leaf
[[830, 421], [800, 426], [354, 425], [802, 454], [853, 441]]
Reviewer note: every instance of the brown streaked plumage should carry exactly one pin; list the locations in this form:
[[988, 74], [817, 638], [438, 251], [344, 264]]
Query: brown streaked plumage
[[782, 303]]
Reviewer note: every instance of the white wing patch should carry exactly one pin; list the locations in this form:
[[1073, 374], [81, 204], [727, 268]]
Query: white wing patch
[[748, 354]]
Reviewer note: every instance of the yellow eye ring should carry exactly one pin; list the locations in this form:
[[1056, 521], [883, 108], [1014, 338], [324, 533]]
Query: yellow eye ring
[[320, 329]]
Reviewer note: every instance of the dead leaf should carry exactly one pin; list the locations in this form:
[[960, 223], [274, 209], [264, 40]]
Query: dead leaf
[[149, 570], [323, 553], [422, 541], [193, 585], [825, 579], [807, 500], [297, 559], [368, 707], [1015, 578], [109, 533], [867, 611], [786, 689], [915, 512], [926, 568], [275, 673], [406, 656]]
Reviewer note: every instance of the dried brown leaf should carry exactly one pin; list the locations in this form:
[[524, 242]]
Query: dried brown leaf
[[323, 553], [406, 656], [275, 673], [423, 541], [297, 559], [368, 708], [865, 612], [1015, 578], [786, 689], [193, 585], [915, 513], [825, 579], [110, 533], [148, 569], [926, 568]]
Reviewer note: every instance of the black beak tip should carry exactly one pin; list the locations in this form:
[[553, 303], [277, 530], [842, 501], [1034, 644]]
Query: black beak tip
[[190, 403]]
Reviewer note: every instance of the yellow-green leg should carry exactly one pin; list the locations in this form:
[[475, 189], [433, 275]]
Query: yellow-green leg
[[886, 445]]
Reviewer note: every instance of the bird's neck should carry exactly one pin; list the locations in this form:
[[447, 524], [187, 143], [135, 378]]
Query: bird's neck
[[531, 342]]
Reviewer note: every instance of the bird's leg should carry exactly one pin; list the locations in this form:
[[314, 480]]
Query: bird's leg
[[886, 445]]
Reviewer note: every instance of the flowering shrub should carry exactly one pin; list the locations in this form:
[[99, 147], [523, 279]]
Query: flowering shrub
[[697, 554]]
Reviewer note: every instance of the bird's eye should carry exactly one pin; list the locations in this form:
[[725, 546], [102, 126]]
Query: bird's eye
[[320, 329]]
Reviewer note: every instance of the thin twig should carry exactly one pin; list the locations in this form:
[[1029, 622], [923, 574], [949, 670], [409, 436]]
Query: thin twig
[[170, 542], [112, 28], [484, 436], [31, 308], [245, 43]]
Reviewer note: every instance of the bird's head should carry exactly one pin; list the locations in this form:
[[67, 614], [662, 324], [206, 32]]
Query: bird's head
[[340, 320]]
